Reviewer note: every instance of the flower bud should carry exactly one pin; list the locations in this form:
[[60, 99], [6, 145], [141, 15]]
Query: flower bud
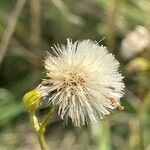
[[31, 100]]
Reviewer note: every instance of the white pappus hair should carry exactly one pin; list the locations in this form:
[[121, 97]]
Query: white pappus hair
[[84, 81]]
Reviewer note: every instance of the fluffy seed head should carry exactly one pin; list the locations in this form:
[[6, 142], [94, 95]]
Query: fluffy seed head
[[84, 81]]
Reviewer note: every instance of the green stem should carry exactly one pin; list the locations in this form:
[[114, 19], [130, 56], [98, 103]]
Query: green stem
[[40, 127], [40, 130], [48, 117], [34, 121], [41, 138]]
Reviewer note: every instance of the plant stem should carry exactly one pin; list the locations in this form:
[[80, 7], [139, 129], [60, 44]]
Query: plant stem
[[41, 139], [40, 127], [40, 130], [48, 117], [34, 121], [11, 24], [111, 23]]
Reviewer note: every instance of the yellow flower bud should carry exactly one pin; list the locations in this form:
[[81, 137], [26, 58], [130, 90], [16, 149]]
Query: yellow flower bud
[[31, 100]]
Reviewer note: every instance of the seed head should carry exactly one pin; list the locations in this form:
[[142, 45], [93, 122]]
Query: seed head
[[83, 81]]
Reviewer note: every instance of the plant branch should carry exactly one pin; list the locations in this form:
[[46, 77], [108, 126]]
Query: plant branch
[[12, 21], [48, 116], [39, 130], [41, 127]]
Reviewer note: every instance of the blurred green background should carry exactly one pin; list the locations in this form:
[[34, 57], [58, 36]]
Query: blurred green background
[[28, 28]]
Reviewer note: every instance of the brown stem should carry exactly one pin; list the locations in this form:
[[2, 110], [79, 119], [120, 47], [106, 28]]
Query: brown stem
[[11, 24]]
